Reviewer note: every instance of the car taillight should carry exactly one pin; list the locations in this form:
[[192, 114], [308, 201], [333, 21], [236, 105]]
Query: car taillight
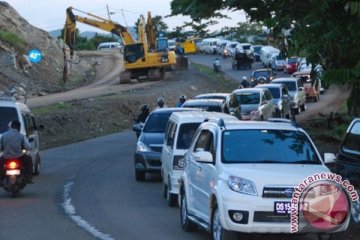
[[13, 164]]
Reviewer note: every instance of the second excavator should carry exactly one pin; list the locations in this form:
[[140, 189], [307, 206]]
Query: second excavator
[[145, 56]]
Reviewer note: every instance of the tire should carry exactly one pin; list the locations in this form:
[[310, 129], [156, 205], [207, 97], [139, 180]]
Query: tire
[[170, 197], [186, 223], [139, 175], [37, 166], [355, 210], [303, 107], [217, 231]]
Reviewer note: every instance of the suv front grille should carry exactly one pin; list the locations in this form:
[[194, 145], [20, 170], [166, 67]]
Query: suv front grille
[[156, 148], [262, 216], [278, 192]]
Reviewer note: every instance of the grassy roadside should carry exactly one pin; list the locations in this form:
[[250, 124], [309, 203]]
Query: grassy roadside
[[75, 121]]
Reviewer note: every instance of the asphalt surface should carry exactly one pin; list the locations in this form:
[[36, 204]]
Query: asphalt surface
[[88, 191]]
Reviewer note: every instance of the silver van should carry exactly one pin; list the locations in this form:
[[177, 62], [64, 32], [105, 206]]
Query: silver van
[[11, 110]]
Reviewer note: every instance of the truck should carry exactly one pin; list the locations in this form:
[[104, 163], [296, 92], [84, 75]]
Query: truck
[[146, 56]]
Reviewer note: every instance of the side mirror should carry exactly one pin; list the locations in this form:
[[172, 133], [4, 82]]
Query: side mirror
[[137, 127], [301, 88], [31, 139], [329, 158], [204, 157]]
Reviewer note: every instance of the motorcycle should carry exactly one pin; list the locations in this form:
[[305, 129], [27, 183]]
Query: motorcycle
[[217, 66], [14, 179]]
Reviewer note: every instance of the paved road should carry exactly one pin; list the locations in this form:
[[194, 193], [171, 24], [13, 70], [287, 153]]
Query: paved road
[[88, 191]]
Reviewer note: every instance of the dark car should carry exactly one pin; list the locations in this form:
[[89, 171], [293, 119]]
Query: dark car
[[210, 105], [150, 142], [261, 76], [348, 160], [281, 99]]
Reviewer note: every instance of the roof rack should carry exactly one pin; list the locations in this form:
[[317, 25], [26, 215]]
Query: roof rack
[[283, 120], [8, 99], [220, 122]]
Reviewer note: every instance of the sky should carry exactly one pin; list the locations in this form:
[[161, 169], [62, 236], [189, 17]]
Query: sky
[[50, 14]]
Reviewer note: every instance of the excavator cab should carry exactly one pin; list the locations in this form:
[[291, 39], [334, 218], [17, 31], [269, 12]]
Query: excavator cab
[[133, 52], [162, 45]]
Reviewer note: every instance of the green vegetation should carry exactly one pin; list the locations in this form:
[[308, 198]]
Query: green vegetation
[[12, 39], [51, 108], [327, 32]]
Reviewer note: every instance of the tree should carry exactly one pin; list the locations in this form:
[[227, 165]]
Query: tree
[[326, 32]]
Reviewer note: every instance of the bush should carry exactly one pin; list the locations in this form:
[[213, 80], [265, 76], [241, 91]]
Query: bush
[[12, 39]]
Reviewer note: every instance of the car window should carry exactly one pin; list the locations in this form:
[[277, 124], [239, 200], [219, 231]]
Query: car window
[[290, 85], [186, 133], [156, 123], [205, 142], [7, 114], [248, 98], [170, 134], [267, 146], [351, 142], [29, 124], [267, 95], [275, 92]]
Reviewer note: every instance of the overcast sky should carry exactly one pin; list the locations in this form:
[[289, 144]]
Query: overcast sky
[[50, 14]]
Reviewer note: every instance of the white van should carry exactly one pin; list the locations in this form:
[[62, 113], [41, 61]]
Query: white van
[[180, 129], [208, 45], [11, 110], [106, 46], [267, 53]]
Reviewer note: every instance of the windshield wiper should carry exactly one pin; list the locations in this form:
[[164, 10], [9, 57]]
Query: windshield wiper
[[306, 162], [270, 161]]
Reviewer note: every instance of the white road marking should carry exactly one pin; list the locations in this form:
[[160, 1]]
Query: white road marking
[[71, 213]]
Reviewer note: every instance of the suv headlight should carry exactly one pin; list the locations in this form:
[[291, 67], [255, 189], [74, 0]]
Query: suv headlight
[[242, 185], [141, 147]]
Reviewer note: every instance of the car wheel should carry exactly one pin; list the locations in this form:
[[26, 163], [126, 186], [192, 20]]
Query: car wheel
[[186, 223], [218, 232], [170, 197], [37, 166], [303, 107], [139, 175], [355, 210], [164, 191]]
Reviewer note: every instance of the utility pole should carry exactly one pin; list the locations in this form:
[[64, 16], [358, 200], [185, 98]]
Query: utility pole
[[108, 12]]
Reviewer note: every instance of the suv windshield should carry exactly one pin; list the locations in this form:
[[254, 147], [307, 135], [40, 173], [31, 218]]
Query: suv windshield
[[290, 85], [261, 74], [156, 123], [7, 114], [267, 146], [352, 140], [248, 98]]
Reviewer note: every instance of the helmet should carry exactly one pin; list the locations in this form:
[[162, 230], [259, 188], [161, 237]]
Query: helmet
[[244, 78], [145, 108], [182, 98], [160, 101]]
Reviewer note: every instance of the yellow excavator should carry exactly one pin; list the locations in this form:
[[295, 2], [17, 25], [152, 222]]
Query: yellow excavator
[[146, 56]]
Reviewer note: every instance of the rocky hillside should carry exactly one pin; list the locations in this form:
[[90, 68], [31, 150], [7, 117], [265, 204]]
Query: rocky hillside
[[17, 37]]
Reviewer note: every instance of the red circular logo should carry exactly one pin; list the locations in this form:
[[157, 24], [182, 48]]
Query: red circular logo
[[324, 205]]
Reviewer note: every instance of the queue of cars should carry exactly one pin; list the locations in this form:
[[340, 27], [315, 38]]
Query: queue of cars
[[235, 171]]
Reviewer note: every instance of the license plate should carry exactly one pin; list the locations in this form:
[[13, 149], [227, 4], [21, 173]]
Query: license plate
[[13, 172], [282, 208]]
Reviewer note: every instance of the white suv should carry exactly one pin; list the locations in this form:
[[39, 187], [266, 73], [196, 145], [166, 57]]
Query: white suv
[[241, 176], [11, 110], [180, 130]]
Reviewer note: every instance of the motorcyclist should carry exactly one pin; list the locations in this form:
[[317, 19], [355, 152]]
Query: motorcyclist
[[160, 103], [145, 109], [216, 64], [244, 82], [12, 143], [182, 99]]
